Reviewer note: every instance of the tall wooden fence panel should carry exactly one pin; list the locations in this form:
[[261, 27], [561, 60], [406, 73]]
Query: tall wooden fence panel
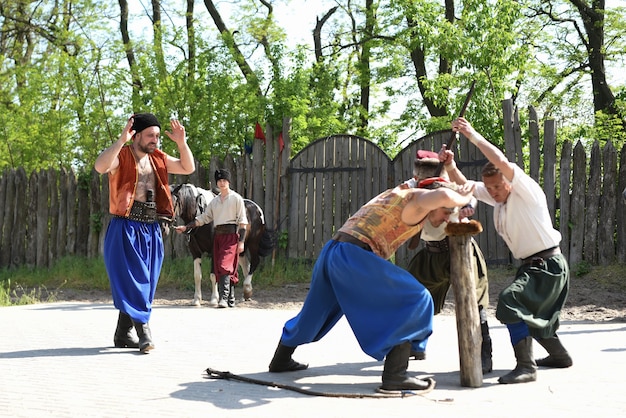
[[48, 214]]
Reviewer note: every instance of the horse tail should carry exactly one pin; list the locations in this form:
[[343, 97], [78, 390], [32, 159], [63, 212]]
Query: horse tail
[[268, 242]]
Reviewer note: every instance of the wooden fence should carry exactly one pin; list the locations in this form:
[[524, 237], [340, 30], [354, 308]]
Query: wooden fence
[[49, 214]]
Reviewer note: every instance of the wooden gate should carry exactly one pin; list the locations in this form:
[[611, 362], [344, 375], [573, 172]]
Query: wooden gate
[[333, 177]]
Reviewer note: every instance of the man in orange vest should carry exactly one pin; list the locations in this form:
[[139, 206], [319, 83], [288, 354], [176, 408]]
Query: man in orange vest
[[138, 194]]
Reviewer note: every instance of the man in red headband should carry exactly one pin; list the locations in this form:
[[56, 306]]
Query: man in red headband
[[138, 194], [431, 264]]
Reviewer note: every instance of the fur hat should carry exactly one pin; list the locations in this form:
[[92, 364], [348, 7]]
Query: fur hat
[[222, 175], [425, 164], [142, 121]]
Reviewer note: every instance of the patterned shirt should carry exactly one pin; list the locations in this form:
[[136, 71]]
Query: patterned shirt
[[378, 223]]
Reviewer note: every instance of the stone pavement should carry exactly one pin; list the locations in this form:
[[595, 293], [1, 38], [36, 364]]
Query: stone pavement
[[57, 360]]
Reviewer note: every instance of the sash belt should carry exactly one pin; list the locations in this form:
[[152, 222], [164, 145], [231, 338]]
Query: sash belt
[[542, 255], [343, 237], [226, 229], [437, 246]]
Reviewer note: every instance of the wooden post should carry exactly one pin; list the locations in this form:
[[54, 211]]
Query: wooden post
[[467, 317]]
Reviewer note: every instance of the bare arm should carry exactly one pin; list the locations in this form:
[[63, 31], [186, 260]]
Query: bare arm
[[493, 153], [108, 160], [185, 164], [425, 201]]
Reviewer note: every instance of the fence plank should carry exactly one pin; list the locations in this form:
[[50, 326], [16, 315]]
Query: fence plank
[[621, 209], [18, 243], [8, 216], [71, 212], [95, 211], [270, 175], [318, 196], [592, 203], [608, 206], [3, 205], [61, 237], [564, 200], [42, 236], [53, 192], [533, 144], [577, 207], [82, 219], [105, 218], [31, 221], [549, 166], [329, 191]]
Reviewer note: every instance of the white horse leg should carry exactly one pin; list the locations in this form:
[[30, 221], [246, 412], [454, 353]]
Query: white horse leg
[[247, 281], [197, 278], [247, 287], [213, 289]]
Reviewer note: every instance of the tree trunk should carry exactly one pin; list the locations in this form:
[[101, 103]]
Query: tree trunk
[[130, 54]]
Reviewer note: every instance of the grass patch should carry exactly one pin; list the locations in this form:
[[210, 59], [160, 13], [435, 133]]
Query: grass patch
[[26, 285]]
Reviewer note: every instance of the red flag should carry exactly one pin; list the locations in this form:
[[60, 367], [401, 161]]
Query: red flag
[[281, 143], [258, 132]]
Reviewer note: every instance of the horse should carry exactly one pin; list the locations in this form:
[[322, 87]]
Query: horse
[[189, 202]]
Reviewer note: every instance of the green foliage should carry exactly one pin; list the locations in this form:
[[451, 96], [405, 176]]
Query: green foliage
[[17, 295], [69, 90], [283, 240], [582, 268]]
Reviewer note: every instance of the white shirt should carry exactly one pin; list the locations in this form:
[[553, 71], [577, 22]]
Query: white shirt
[[231, 210], [523, 221]]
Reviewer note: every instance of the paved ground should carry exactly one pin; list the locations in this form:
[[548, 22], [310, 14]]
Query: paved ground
[[57, 360]]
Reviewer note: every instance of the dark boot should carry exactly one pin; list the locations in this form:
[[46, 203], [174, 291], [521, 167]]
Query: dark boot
[[145, 337], [282, 361], [395, 376], [526, 369], [231, 296], [558, 357], [485, 348], [417, 355], [223, 290], [124, 336]]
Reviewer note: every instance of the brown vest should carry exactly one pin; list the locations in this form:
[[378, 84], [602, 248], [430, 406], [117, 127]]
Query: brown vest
[[122, 184]]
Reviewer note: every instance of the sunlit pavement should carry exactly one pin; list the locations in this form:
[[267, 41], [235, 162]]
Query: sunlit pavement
[[58, 360]]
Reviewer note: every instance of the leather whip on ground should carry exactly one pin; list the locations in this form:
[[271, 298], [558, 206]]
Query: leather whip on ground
[[216, 374]]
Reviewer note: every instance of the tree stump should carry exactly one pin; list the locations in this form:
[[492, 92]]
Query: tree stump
[[464, 288]]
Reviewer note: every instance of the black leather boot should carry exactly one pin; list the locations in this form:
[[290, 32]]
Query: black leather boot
[[395, 376], [231, 296], [282, 361], [526, 369], [486, 346], [124, 336], [145, 337], [558, 357], [223, 290]]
